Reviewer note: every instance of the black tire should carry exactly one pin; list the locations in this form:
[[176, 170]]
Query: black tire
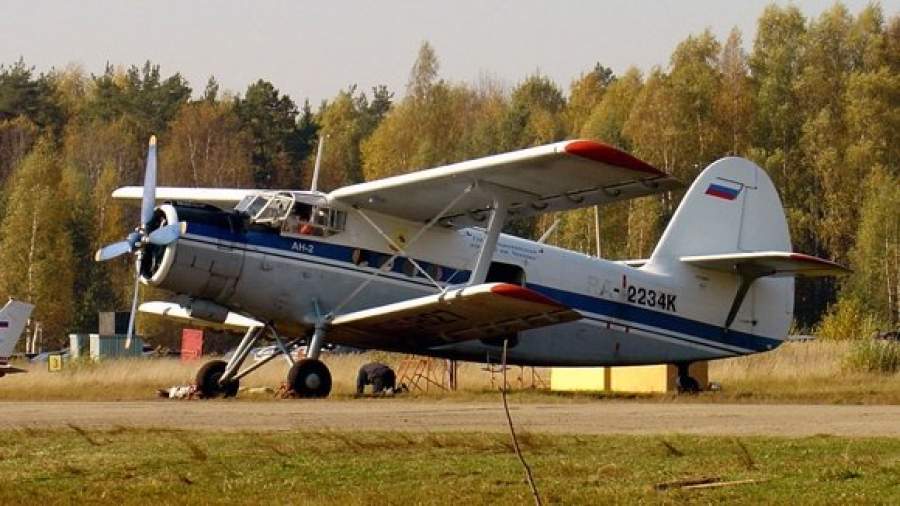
[[310, 378], [687, 385], [207, 380]]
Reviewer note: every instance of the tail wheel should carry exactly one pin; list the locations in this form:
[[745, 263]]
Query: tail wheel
[[310, 378], [684, 381], [687, 385], [207, 380]]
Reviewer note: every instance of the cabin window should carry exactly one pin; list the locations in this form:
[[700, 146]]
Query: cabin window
[[505, 273]]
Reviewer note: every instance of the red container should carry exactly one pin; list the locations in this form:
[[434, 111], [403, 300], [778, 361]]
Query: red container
[[191, 344]]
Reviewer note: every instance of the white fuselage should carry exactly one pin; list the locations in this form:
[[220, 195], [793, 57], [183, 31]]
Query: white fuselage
[[630, 315]]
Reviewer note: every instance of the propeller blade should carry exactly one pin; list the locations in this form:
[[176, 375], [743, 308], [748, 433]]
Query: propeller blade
[[113, 250], [168, 234], [134, 303], [149, 201]]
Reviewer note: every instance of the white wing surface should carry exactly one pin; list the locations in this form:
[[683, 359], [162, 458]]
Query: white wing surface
[[215, 196], [484, 311], [555, 177]]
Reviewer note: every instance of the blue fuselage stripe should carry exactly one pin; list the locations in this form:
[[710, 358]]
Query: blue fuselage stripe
[[581, 302]]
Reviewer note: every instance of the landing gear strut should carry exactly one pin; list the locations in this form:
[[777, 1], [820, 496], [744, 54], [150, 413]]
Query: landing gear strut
[[222, 379], [685, 383]]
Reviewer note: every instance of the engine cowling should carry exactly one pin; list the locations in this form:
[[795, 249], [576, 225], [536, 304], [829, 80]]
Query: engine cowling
[[201, 266]]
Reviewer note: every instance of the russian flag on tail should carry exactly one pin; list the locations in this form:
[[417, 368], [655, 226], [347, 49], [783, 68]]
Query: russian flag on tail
[[722, 189]]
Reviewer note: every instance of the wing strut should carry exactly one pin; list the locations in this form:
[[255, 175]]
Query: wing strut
[[486, 254], [432, 222]]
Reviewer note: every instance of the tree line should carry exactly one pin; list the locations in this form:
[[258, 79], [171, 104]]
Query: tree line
[[816, 102]]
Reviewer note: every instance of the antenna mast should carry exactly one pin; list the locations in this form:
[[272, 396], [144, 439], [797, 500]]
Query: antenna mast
[[315, 179]]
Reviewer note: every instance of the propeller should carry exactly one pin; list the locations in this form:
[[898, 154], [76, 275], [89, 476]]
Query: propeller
[[137, 241]]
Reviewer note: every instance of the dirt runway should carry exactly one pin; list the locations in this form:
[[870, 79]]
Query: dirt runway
[[414, 415]]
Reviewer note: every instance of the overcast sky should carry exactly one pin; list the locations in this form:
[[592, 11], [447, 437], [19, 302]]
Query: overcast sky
[[313, 49]]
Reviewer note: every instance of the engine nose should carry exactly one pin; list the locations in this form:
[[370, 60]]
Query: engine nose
[[156, 260]]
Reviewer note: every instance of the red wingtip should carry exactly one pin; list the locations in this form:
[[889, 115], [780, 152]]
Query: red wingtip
[[609, 155], [522, 293], [821, 261]]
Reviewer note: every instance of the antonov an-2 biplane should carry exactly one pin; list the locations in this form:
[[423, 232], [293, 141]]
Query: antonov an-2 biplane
[[417, 264]]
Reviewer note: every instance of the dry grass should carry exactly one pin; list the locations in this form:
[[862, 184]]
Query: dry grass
[[795, 372], [141, 378], [803, 372]]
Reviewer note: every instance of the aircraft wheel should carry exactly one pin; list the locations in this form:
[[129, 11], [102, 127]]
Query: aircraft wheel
[[310, 378], [207, 380]]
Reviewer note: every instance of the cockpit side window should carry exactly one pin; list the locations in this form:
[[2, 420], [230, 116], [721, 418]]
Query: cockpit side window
[[307, 219]]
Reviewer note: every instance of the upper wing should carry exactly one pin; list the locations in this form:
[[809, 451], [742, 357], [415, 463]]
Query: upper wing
[[477, 312], [769, 263], [214, 196], [555, 177]]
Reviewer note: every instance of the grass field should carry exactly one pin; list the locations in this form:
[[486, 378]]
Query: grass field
[[128, 466], [795, 372]]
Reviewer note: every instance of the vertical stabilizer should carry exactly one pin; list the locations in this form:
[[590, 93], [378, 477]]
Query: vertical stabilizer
[[731, 209], [13, 318]]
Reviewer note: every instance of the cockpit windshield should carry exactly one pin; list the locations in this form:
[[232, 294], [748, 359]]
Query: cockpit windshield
[[295, 213]]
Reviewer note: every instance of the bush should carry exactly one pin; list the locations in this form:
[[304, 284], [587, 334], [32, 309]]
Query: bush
[[874, 355], [847, 320]]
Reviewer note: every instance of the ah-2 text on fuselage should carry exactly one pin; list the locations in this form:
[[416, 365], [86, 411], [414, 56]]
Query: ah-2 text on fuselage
[[417, 264]]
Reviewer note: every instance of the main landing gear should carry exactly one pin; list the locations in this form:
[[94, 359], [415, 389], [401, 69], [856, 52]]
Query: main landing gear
[[310, 377], [684, 381], [307, 378]]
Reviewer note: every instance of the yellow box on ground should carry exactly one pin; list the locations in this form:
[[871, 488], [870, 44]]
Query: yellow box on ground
[[632, 379], [576, 379], [54, 363]]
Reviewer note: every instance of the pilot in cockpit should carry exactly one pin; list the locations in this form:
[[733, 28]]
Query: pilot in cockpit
[[303, 213]]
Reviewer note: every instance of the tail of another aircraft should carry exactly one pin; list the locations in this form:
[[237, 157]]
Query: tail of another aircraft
[[13, 318]]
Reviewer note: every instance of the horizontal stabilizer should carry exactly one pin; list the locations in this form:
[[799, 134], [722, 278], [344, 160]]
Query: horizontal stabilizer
[[486, 311], [768, 263], [232, 321]]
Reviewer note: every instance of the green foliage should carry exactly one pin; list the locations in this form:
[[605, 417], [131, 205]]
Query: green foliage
[[607, 119], [585, 93], [279, 146], [35, 244], [874, 355], [534, 115], [875, 282], [206, 147], [140, 95], [16, 138], [23, 94], [345, 122], [847, 319]]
